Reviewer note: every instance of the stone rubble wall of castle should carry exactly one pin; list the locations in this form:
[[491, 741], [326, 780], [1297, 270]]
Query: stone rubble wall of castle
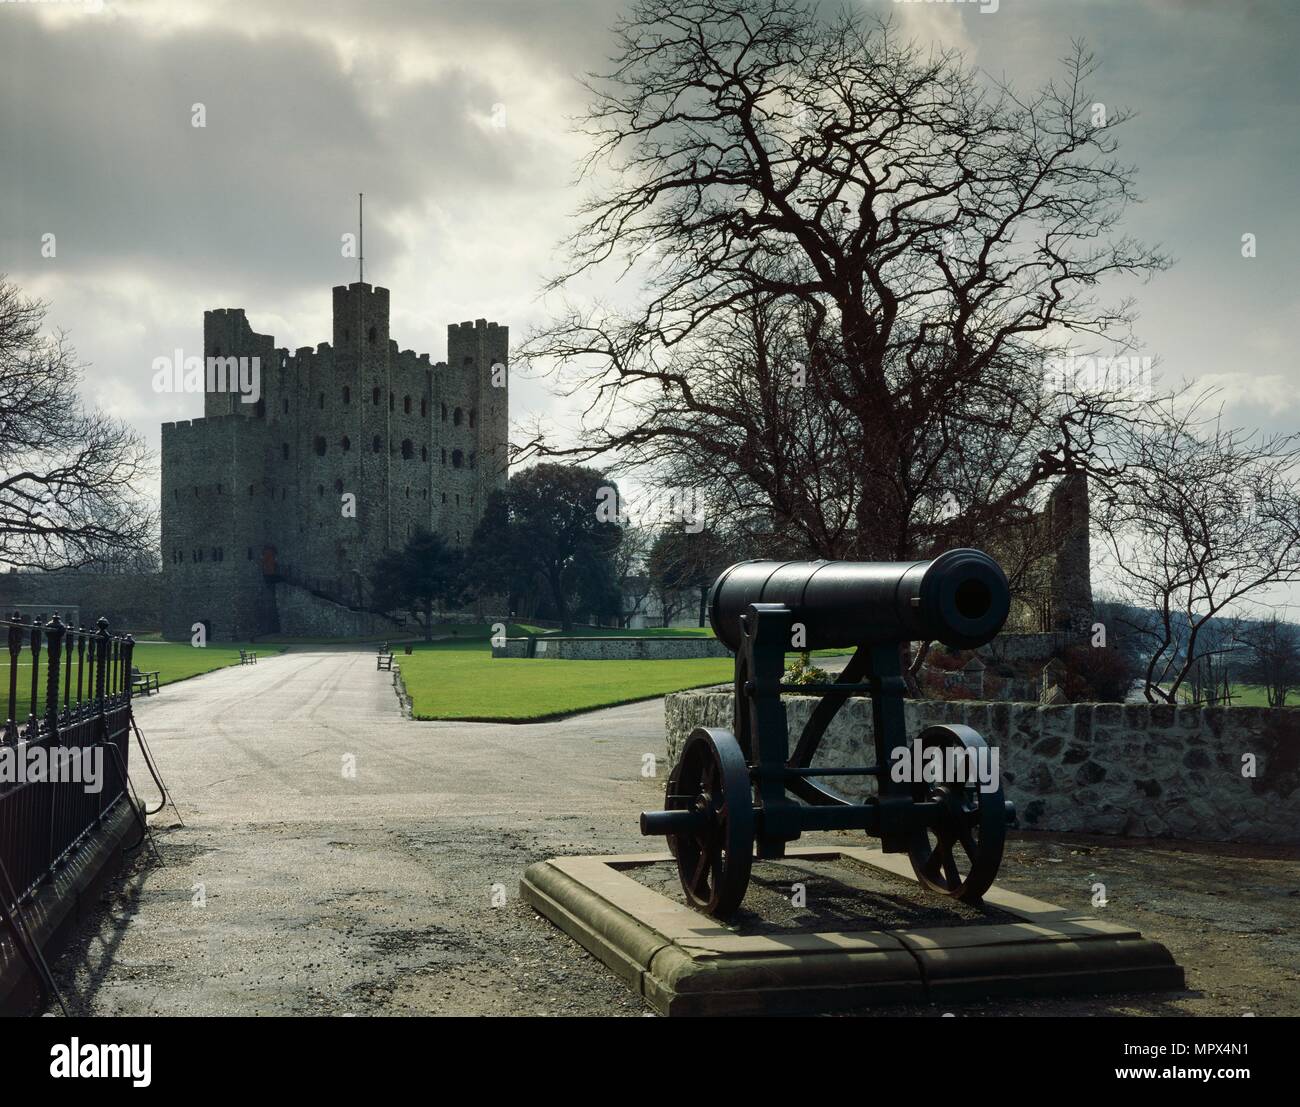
[[1133, 769], [253, 490]]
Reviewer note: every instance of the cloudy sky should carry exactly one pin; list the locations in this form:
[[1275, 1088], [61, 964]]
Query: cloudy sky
[[454, 117]]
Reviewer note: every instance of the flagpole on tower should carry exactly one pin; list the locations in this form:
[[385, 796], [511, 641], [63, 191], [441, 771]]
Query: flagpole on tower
[[361, 242]]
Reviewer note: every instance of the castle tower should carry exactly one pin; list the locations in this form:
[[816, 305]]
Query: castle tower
[[272, 509]]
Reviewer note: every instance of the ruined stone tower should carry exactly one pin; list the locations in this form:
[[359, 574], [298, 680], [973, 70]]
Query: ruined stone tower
[[257, 534]]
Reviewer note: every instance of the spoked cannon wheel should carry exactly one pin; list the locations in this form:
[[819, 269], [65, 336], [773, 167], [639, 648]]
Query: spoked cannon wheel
[[959, 855], [714, 857]]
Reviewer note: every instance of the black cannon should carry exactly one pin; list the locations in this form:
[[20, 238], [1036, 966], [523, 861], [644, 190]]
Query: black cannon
[[733, 797]]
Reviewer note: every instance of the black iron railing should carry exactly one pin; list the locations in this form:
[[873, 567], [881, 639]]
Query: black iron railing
[[64, 747]]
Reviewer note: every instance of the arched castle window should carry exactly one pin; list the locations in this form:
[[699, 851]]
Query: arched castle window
[[392, 402], [456, 417], [444, 413], [320, 402], [252, 489], [286, 405], [319, 445], [408, 491], [408, 450], [284, 451], [346, 444], [457, 459], [406, 405], [347, 394], [259, 409], [444, 458], [372, 335], [338, 485], [424, 407], [250, 553], [444, 497], [473, 417], [376, 444], [218, 489], [374, 396], [320, 490], [424, 453], [458, 499]]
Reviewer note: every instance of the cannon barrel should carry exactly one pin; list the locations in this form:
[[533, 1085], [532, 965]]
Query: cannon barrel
[[960, 598]]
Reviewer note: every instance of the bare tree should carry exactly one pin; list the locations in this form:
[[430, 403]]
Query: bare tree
[[69, 479], [1205, 520], [857, 254], [1274, 658]]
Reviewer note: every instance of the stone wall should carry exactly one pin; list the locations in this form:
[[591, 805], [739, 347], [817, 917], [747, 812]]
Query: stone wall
[[611, 649], [131, 602], [1135, 769], [303, 615]]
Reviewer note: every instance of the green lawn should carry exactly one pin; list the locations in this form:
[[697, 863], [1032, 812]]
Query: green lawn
[[461, 680], [173, 661]]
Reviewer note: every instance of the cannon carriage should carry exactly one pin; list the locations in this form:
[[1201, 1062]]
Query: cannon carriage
[[736, 796]]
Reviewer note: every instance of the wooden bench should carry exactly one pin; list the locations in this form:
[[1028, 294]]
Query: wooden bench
[[385, 662], [247, 657], [145, 682]]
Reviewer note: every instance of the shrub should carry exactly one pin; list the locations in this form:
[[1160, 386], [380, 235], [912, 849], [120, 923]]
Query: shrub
[[1098, 674]]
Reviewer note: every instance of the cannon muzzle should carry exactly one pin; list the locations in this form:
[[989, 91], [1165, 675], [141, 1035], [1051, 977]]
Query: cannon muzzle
[[960, 598]]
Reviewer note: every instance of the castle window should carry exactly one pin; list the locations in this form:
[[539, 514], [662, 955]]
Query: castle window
[[286, 405], [252, 489], [424, 453], [374, 396], [338, 485], [457, 459], [250, 553], [376, 444], [321, 402], [473, 459], [346, 444], [444, 413], [424, 407], [408, 450], [218, 554], [392, 402], [218, 489], [406, 405], [372, 335], [259, 409], [319, 445], [347, 334], [444, 497], [347, 394], [425, 494], [196, 490], [444, 458], [408, 491], [320, 490], [456, 417], [284, 451], [473, 416], [458, 499]]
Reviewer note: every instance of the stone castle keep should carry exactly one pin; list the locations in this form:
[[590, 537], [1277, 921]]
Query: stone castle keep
[[258, 532]]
